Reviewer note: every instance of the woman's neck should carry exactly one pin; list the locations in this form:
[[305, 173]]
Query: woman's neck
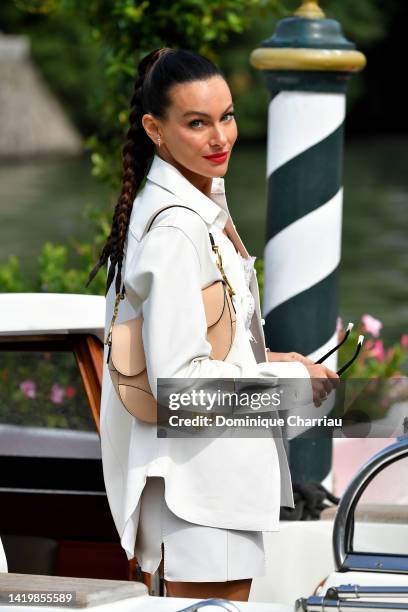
[[200, 182]]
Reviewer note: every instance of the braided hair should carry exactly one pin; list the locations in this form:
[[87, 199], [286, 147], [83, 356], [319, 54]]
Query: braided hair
[[157, 73]]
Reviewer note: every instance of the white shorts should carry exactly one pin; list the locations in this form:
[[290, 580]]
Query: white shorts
[[192, 552]]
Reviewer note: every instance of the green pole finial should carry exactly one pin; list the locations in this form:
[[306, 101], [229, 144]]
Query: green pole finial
[[310, 9]]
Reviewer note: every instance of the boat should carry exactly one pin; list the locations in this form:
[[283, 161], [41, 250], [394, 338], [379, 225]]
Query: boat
[[55, 522]]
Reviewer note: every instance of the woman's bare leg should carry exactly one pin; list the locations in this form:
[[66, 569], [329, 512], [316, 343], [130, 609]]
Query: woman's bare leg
[[235, 590]]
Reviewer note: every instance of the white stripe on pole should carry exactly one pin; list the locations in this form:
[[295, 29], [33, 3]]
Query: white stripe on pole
[[331, 362], [297, 120], [303, 253], [325, 348]]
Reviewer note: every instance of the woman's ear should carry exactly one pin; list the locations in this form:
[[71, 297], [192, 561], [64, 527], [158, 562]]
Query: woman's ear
[[151, 127]]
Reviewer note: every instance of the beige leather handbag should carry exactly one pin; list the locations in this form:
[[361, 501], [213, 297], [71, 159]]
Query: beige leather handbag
[[126, 359]]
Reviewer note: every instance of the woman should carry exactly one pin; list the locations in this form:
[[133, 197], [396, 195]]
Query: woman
[[203, 503]]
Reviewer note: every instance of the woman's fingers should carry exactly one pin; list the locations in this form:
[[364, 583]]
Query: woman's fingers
[[334, 378], [301, 358], [327, 385], [272, 356], [324, 381], [292, 356]]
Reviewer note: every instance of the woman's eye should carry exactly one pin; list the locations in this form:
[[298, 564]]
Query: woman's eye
[[195, 121]]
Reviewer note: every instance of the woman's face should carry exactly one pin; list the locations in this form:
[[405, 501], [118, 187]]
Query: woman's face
[[199, 123]]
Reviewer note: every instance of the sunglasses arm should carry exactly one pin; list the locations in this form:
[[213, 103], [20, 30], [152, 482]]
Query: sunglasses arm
[[336, 348], [348, 364]]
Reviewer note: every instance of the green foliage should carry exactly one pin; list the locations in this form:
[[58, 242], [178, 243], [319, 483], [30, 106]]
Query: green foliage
[[11, 278], [259, 267], [42, 389], [54, 273], [374, 360], [378, 377]]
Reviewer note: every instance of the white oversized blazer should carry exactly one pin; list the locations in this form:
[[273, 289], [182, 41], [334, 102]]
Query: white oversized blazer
[[237, 483]]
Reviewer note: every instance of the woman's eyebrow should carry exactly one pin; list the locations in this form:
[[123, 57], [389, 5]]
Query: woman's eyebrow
[[205, 114]]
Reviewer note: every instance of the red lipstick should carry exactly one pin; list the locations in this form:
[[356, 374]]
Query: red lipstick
[[218, 158]]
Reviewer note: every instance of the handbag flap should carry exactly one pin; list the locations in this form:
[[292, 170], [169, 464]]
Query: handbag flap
[[214, 302], [127, 347]]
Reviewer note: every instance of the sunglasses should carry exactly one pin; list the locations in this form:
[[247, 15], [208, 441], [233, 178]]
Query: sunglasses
[[336, 348]]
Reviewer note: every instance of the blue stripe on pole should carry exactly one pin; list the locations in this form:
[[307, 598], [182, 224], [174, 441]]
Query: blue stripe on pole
[[305, 182], [306, 321]]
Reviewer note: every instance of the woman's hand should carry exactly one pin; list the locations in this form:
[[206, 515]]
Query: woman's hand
[[289, 357], [323, 382], [323, 379]]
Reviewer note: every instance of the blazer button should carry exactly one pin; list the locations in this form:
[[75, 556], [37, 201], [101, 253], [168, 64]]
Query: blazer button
[[263, 321]]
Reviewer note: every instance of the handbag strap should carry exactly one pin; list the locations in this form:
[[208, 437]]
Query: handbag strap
[[121, 294], [213, 245]]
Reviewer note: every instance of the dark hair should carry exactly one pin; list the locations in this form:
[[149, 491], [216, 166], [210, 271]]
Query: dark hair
[[158, 72]]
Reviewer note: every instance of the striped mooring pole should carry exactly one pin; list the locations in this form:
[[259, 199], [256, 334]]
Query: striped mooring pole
[[307, 64]]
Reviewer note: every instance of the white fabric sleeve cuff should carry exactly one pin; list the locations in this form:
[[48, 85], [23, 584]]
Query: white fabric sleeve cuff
[[286, 372]]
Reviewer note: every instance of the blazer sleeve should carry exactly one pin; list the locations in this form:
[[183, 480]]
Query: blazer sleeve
[[165, 274]]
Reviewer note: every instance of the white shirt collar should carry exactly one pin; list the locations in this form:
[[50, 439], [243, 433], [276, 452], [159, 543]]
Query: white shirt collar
[[213, 209]]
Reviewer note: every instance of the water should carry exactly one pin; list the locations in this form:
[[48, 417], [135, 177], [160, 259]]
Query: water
[[43, 201], [374, 268]]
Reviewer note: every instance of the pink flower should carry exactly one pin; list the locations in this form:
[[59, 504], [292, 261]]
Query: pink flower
[[70, 391], [378, 351], [404, 342], [29, 388], [372, 326], [57, 394]]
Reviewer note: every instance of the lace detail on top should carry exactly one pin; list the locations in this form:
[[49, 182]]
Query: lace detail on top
[[247, 300]]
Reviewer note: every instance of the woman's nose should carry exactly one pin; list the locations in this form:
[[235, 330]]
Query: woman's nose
[[218, 136]]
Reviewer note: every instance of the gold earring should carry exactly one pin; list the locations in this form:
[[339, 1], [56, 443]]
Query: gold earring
[[158, 140]]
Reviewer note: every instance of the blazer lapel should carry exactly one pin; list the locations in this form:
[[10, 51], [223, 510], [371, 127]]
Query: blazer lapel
[[235, 238], [258, 347]]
